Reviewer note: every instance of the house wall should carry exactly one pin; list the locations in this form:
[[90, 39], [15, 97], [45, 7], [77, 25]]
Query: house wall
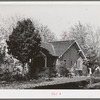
[[77, 68], [71, 56], [79, 65]]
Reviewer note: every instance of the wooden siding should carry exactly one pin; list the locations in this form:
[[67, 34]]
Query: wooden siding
[[71, 56]]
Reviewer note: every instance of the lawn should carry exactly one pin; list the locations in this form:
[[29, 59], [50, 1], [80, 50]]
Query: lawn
[[95, 83], [40, 82], [94, 86]]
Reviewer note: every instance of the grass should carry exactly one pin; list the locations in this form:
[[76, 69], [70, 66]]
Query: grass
[[94, 86], [39, 82], [95, 83]]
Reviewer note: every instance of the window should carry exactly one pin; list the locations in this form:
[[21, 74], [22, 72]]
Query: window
[[65, 61], [71, 62]]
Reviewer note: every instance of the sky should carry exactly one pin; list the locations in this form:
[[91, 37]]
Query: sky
[[59, 17]]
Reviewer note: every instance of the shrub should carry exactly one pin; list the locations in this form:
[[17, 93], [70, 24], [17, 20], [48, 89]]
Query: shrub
[[43, 74], [48, 73], [17, 74], [7, 75], [52, 71], [62, 69]]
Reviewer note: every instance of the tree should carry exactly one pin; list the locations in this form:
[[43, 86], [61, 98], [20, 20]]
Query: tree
[[93, 40], [79, 33], [2, 55], [87, 36], [7, 25], [6, 28], [93, 52], [65, 36], [24, 42], [46, 34]]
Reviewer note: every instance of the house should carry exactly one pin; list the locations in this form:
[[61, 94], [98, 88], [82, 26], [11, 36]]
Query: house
[[55, 52], [70, 52]]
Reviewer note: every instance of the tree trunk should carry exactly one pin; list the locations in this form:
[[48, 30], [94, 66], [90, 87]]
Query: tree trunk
[[30, 70]]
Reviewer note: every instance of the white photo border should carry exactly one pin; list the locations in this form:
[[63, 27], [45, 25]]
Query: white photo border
[[34, 93]]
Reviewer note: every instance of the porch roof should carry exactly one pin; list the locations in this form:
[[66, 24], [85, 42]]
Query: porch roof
[[49, 47]]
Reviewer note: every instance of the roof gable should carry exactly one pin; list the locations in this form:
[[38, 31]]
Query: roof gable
[[81, 53]]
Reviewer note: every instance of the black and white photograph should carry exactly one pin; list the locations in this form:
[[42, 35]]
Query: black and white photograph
[[50, 46]]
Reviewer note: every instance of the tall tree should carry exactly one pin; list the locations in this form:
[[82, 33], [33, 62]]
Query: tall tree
[[6, 27], [93, 40], [79, 33], [24, 42], [46, 34]]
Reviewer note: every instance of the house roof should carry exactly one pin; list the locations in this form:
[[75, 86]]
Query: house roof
[[49, 47], [62, 46]]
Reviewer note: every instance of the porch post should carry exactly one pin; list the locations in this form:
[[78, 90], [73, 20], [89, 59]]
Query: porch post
[[45, 58], [45, 61]]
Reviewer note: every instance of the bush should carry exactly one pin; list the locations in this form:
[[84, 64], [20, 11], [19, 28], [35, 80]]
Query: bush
[[52, 71], [7, 75], [17, 74], [47, 73], [62, 70], [43, 74]]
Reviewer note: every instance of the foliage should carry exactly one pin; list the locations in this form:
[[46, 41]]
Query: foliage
[[91, 63], [17, 72], [79, 33], [88, 37], [7, 25], [52, 72], [46, 34], [7, 75], [48, 72], [24, 42], [2, 55], [62, 69], [12, 72], [84, 71]]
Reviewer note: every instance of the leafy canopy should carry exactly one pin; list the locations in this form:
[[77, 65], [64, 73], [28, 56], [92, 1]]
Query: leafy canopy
[[24, 42]]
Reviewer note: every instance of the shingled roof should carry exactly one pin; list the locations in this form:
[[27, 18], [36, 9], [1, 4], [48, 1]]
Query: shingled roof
[[62, 46]]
